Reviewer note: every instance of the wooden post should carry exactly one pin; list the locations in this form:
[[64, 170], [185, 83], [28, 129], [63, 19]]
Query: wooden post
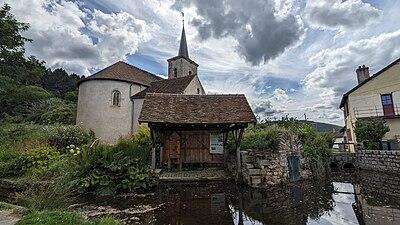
[[161, 156], [153, 157], [237, 134], [153, 149]]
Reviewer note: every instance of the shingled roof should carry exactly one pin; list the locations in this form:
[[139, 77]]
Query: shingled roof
[[196, 109], [122, 71], [171, 86]]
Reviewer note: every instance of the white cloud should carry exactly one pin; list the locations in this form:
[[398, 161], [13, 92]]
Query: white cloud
[[339, 14], [69, 35], [65, 35], [334, 68]]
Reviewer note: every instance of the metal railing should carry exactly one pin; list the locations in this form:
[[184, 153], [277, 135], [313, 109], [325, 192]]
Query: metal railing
[[363, 112]]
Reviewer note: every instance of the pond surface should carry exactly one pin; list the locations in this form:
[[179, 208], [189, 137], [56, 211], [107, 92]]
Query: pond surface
[[364, 198]]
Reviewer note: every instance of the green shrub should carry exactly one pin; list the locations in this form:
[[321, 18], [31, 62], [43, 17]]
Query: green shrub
[[261, 138], [19, 100], [110, 169], [63, 217], [39, 158], [109, 177], [54, 110], [23, 133], [370, 132], [63, 136]]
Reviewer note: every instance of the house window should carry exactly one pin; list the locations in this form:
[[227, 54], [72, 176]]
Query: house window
[[175, 72], [387, 105], [116, 98]]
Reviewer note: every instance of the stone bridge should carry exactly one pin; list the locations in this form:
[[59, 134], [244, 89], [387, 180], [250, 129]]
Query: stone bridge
[[339, 161]]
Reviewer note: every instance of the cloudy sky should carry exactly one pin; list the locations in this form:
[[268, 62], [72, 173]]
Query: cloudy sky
[[288, 56]]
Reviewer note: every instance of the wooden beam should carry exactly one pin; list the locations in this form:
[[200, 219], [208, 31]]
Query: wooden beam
[[153, 158], [153, 148], [238, 138]]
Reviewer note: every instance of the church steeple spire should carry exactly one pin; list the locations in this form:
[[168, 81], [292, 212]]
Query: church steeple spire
[[183, 49], [181, 65]]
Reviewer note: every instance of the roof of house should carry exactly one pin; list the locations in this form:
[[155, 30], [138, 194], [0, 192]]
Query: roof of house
[[346, 95], [172, 86], [122, 71], [196, 109]]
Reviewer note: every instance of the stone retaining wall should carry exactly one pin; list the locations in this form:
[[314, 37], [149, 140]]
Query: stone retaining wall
[[266, 168], [378, 160]]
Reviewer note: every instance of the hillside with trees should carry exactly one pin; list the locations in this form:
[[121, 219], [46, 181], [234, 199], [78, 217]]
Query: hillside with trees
[[29, 91]]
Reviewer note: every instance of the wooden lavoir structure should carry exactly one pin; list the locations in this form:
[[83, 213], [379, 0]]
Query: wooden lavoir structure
[[193, 129]]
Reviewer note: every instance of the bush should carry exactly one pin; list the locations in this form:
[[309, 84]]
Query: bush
[[63, 136], [370, 132], [138, 147], [39, 159], [110, 177], [52, 111], [60, 217], [261, 138], [19, 100], [108, 170]]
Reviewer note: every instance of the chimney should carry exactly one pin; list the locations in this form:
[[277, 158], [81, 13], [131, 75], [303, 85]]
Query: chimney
[[362, 73]]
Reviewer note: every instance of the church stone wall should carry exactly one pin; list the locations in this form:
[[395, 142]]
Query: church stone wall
[[96, 112], [195, 84], [183, 67]]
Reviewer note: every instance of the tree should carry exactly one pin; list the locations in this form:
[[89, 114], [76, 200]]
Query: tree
[[59, 82], [11, 40], [12, 61], [370, 132]]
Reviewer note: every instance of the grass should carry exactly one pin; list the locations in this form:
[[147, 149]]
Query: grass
[[63, 218]]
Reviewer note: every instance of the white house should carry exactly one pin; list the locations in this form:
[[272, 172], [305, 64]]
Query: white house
[[376, 96]]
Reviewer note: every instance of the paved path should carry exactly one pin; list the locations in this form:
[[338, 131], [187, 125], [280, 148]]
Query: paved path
[[194, 175], [7, 217]]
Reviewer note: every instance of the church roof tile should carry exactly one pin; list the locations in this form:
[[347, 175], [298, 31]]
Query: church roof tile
[[122, 71], [172, 86], [196, 109]]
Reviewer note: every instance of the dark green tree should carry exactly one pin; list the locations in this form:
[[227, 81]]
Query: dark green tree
[[59, 82], [13, 64], [370, 132], [11, 40]]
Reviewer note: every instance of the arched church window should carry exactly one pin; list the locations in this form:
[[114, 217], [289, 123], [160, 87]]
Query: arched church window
[[175, 72], [116, 98], [198, 91], [190, 73]]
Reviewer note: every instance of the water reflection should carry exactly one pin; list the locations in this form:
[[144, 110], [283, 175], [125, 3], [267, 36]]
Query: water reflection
[[363, 201]]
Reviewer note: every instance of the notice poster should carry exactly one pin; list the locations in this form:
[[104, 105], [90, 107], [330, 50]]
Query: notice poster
[[216, 143]]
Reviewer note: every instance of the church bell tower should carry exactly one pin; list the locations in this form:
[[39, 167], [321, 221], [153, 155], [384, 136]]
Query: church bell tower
[[181, 65]]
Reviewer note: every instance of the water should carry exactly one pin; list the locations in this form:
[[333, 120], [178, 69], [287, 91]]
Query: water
[[366, 198]]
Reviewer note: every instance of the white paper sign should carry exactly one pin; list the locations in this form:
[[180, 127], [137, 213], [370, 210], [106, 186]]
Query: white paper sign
[[216, 143]]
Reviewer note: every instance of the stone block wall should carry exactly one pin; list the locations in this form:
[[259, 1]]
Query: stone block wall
[[378, 160], [266, 168]]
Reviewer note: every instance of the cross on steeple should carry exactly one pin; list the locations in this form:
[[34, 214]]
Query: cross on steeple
[[183, 49]]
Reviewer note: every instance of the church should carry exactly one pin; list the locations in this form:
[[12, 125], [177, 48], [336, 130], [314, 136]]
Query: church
[[188, 125], [110, 101]]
